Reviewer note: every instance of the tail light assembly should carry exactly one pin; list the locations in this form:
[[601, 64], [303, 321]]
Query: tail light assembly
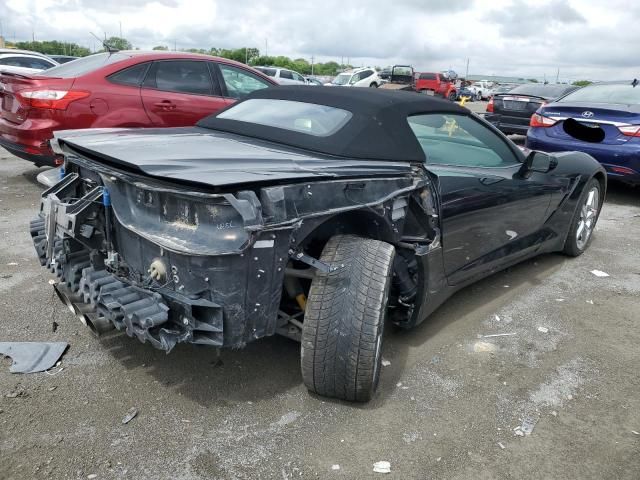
[[490, 105], [538, 120], [50, 99], [630, 131]]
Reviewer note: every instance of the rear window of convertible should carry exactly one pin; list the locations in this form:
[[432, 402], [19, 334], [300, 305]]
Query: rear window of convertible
[[309, 118]]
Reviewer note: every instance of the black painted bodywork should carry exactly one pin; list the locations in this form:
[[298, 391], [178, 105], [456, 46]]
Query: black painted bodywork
[[227, 217]]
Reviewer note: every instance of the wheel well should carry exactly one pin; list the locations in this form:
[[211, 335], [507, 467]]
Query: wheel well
[[361, 222], [602, 179]]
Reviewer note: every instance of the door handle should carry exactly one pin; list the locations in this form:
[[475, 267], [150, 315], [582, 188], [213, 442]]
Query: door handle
[[166, 105]]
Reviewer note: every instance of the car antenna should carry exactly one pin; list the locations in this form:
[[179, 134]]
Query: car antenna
[[104, 43], [635, 82]]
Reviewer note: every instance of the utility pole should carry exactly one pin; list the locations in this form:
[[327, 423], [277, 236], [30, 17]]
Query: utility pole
[[120, 22], [312, 65], [266, 47], [466, 74], [175, 47], [558, 75]]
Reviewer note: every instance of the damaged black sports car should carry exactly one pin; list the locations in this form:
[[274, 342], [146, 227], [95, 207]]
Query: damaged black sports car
[[312, 213]]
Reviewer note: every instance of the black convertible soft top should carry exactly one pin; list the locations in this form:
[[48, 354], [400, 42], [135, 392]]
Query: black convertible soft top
[[378, 128]]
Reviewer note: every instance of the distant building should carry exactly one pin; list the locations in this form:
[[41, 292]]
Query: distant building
[[497, 79], [2, 42]]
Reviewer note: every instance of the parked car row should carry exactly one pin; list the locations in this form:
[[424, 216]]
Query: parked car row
[[169, 89]]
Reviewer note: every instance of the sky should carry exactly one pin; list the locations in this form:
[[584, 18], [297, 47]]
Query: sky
[[584, 39]]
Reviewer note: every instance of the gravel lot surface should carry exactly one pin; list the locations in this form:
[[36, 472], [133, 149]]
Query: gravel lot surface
[[447, 405]]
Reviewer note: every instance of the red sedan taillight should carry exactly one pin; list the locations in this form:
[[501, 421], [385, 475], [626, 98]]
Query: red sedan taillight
[[490, 105], [50, 99], [630, 131], [538, 120]]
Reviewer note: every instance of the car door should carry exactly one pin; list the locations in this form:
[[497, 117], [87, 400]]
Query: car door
[[363, 78], [491, 215], [178, 93], [237, 82]]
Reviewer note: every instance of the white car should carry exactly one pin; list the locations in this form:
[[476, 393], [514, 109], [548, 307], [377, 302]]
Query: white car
[[24, 62], [482, 90], [283, 76], [360, 77]]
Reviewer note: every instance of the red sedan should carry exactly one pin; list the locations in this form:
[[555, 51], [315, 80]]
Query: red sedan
[[120, 89]]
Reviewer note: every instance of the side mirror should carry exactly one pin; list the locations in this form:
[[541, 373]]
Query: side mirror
[[538, 162]]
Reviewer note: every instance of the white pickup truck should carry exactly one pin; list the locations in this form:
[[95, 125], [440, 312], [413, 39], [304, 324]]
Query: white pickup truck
[[482, 89]]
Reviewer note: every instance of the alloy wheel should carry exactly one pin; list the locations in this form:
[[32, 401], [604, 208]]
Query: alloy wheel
[[588, 214]]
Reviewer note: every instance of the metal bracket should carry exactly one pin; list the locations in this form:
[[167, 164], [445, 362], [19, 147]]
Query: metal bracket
[[312, 262]]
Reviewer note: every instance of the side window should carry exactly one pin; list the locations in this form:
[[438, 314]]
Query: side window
[[460, 140], [297, 77], [286, 74], [183, 76], [14, 62], [132, 76], [366, 74], [239, 82], [31, 62], [45, 64]]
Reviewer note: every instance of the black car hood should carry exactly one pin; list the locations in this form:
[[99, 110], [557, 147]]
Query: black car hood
[[203, 156]]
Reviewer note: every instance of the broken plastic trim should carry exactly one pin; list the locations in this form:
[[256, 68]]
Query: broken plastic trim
[[32, 357]]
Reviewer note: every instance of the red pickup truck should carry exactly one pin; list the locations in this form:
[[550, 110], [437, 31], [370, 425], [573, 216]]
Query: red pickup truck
[[436, 84]]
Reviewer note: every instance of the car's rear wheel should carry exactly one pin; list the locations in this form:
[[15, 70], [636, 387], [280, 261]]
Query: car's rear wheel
[[452, 96], [479, 96], [344, 319], [584, 220], [373, 85]]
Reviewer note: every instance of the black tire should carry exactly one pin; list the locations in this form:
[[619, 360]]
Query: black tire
[[344, 319], [479, 96], [373, 85], [453, 96], [572, 245]]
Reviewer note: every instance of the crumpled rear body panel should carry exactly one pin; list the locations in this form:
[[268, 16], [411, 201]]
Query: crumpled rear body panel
[[172, 264]]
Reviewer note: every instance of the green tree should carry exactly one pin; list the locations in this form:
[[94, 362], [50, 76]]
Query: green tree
[[54, 47], [532, 80], [118, 43], [160, 47], [582, 83]]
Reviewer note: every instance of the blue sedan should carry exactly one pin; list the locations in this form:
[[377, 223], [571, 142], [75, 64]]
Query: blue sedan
[[602, 120]]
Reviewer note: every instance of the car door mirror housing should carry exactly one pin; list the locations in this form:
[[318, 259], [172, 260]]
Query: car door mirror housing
[[539, 162]]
